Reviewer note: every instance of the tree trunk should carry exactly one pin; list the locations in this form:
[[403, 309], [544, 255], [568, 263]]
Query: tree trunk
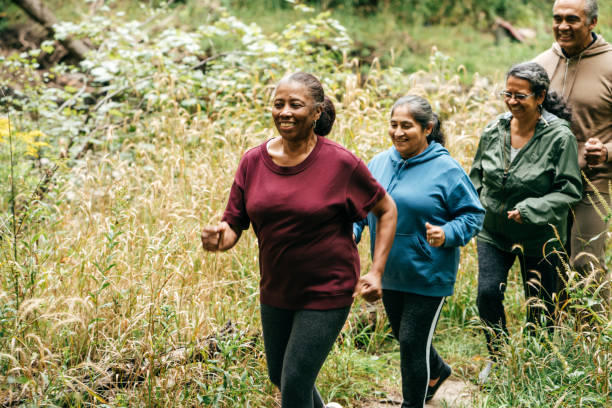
[[37, 10]]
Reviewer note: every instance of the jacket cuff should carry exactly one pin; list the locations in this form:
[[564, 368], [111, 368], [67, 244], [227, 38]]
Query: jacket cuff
[[521, 209], [449, 236]]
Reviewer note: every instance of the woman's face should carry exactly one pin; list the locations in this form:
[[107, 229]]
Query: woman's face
[[294, 111], [408, 137], [522, 108]]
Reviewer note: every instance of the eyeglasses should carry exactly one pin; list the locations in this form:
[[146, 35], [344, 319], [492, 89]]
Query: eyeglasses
[[517, 96]]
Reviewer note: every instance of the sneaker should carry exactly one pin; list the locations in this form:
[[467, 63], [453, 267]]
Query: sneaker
[[444, 374], [483, 377], [333, 405]]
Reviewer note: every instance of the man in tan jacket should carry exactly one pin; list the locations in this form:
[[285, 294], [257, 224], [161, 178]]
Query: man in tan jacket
[[580, 68]]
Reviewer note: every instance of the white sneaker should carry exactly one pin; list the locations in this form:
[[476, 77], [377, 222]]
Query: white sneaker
[[483, 377], [333, 405]]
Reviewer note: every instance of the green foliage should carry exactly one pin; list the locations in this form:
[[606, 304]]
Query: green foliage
[[430, 11], [4, 5]]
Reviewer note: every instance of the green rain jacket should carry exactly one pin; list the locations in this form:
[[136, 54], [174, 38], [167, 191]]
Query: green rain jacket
[[542, 182]]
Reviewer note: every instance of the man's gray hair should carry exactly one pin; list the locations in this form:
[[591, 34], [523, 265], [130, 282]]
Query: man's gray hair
[[590, 9]]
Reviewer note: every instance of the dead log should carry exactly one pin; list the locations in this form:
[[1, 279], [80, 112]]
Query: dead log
[[503, 27], [37, 10]]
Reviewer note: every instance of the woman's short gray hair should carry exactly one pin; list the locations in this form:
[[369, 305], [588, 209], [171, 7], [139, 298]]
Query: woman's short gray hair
[[532, 73], [539, 82]]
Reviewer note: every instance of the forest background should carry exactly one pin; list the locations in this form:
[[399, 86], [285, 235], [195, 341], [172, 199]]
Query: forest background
[[112, 163]]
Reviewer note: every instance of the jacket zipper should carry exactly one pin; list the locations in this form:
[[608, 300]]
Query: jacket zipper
[[507, 162], [507, 140]]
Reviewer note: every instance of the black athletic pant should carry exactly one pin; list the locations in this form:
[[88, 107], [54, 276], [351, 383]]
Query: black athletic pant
[[413, 320], [539, 281], [297, 343]]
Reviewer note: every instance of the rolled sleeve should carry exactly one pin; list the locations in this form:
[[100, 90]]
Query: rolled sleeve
[[362, 193]]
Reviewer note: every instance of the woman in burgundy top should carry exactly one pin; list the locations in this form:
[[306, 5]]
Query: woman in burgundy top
[[302, 192]]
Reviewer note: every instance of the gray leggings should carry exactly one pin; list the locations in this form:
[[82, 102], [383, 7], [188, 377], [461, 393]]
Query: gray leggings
[[413, 320], [297, 343]]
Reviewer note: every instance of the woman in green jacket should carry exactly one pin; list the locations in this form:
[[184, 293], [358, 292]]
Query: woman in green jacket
[[527, 176]]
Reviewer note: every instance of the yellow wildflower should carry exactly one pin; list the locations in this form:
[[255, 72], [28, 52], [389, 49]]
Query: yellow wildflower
[[33, 140], [4, 128]]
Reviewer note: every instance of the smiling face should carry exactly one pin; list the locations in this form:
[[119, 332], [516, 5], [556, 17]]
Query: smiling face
[[527, 108], [408, 137], [571, 27], [294, 111]]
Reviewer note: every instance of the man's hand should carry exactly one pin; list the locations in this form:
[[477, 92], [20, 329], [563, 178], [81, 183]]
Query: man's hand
[[595, 152]]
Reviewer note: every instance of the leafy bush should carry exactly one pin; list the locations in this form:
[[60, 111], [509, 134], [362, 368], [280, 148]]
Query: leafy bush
[[431, 11]]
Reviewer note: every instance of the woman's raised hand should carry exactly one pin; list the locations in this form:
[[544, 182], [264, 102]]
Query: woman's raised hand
[[220, 237]]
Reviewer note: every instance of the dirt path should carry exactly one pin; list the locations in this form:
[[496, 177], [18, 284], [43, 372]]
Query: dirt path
[[452, 394]]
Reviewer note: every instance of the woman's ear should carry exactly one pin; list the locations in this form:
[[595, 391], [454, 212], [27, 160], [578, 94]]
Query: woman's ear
[[429, 129]]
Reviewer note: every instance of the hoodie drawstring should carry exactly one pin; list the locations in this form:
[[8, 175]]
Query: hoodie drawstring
[[567, 62]]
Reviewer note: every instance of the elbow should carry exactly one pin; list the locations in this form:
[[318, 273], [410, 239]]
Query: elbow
[[392, 211]]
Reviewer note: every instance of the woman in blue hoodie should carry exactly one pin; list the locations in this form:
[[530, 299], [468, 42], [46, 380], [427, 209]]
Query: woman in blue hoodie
[[438, 211]]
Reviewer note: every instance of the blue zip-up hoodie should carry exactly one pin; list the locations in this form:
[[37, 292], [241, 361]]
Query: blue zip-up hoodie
[[429, 187]]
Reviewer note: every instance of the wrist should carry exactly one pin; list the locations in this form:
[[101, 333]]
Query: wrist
[[376, 271]]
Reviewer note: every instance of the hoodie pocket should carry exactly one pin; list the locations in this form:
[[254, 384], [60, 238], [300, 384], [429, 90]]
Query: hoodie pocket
[[409, 251]]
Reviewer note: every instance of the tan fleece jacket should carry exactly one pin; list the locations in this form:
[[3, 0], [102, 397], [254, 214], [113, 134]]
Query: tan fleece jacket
[[585, 81]]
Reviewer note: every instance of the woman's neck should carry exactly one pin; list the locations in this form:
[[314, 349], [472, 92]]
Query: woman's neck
[[295, 148], [525, 126], [291, 152], [521, 131]]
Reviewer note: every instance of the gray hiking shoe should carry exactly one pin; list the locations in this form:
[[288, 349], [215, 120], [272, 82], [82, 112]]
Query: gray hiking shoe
[[483, 377]]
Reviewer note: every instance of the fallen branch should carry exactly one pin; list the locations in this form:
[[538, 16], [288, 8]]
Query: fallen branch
[[37, 10]]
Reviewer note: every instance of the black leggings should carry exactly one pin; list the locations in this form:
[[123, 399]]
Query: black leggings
[[297, 343], [539, 281], [413, 320]]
